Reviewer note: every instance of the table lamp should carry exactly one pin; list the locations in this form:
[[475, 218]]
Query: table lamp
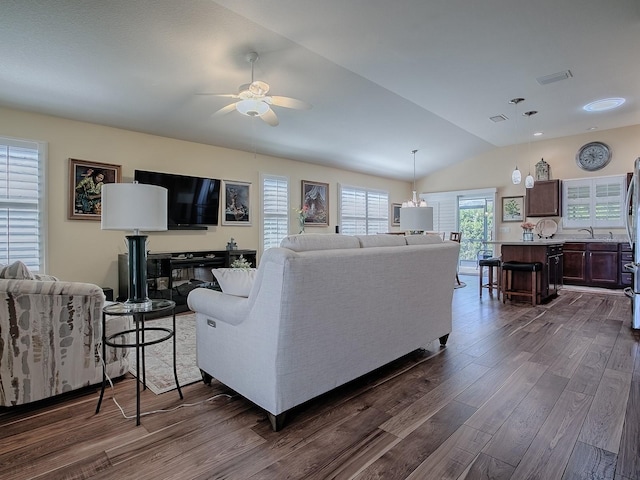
[[136, 207]]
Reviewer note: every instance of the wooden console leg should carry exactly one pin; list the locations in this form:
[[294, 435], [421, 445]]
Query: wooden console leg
[[277, 421]]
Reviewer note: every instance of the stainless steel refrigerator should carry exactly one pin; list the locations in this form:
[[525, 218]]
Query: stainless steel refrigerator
[[633, 224]]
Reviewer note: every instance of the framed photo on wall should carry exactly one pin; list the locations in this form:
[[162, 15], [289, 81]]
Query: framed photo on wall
[[315, 196], [395, 214], [513, 209], [85, 187], [236, 203]]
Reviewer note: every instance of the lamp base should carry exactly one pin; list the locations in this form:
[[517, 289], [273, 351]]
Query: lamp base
[[138, 298], [137, 305]]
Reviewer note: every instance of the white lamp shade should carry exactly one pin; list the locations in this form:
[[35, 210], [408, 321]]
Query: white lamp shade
[[134, 206], [416, 218]]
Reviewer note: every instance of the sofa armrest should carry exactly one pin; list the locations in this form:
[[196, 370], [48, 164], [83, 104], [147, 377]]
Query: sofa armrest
[[46, 287], [226, 308]]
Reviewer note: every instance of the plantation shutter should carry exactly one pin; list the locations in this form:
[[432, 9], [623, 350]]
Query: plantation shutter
[[275, 210], [594, 202], [22, 231], [363, 212]]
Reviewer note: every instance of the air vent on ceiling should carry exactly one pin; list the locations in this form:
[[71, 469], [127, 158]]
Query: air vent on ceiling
[[554, 77], [498, 118]]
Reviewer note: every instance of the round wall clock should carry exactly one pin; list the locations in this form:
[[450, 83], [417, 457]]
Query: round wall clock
[[593, 156]]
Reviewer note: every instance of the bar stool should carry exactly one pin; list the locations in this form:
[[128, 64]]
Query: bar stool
[[491, 285], [508, 269]]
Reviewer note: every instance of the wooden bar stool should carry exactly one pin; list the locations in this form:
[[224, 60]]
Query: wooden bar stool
[[491, 284], [509, 268]]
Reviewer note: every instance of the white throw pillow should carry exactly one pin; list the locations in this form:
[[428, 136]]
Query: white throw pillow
[[235, 281], [16, 271]]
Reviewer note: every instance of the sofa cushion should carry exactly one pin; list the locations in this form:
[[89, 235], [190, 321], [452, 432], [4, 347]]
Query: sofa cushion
[[328, 241], [235, 281], [16, 271], [381, 240], [427, 239]]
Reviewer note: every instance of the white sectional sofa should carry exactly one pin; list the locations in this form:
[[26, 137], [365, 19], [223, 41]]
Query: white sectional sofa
[[324, 310]]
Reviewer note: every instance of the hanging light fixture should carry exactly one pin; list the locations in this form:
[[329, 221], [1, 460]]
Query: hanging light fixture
[[414, 199], [516, 177], [415, 216], [529, 182]]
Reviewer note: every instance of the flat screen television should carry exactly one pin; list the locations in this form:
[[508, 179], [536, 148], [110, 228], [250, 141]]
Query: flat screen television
[[193, 202]]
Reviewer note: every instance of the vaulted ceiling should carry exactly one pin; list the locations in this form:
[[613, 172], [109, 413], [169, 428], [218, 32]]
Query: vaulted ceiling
[[384, 77]]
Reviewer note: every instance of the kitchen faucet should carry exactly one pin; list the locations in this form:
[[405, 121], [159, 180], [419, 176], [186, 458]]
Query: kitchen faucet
[[590, 230]]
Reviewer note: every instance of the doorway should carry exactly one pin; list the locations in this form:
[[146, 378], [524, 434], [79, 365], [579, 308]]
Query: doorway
[[476, 223]]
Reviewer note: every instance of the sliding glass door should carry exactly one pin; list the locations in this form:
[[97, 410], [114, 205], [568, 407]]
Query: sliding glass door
[[476, 223]]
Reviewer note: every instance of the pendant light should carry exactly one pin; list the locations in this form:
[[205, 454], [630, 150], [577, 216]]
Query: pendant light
[[529, 182], [415, 216], [516, 177], [414, 202]]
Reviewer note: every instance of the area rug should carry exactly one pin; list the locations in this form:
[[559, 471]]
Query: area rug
[[159, 357]]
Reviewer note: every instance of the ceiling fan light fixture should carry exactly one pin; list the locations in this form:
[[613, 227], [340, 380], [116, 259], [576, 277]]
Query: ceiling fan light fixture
[[259, 88], [252, 108]]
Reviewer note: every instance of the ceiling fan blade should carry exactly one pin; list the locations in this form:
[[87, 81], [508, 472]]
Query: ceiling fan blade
[[224, 110], [224, 95], [287, 102], [270, 117]]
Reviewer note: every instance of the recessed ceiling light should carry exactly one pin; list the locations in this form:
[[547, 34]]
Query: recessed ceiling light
[[604, 104], [537, 134]]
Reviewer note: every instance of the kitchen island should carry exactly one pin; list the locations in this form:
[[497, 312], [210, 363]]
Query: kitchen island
[[548, 252]]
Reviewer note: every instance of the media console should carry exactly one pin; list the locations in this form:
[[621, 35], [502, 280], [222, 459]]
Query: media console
[[172, 275]]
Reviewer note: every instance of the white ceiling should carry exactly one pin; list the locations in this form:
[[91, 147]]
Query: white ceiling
[[384, 76]]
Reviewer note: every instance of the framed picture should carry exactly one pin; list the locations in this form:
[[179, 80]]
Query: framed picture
[[315, 196], [512, 209], [236, 203], [395, 214], [85, 187]]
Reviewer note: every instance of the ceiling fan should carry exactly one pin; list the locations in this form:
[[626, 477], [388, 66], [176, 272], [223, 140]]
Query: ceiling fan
[[253, 100]]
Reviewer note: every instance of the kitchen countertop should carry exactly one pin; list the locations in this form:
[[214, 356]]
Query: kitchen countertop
[[540, 241], [561, 239]]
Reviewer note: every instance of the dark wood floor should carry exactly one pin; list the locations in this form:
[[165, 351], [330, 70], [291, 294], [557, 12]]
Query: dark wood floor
[[551, 392]]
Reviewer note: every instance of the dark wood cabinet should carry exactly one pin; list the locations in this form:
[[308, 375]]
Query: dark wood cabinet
[[575, 266], [625, 256], [602, 264], [543, 200], [593, 264], [173, 275]]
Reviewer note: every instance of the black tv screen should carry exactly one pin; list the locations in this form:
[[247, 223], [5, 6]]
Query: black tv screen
[[192, 201]]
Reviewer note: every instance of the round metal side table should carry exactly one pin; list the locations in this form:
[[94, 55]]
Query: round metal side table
[[138, 314]]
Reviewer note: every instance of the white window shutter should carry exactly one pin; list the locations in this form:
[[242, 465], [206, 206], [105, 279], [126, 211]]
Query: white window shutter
[[275, 210], [22, 235]]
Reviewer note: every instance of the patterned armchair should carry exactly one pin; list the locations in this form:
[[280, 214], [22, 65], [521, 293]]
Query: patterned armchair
[[50, 336]]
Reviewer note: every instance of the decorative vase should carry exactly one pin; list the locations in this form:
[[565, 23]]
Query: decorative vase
[[527, 235], [301, 220]]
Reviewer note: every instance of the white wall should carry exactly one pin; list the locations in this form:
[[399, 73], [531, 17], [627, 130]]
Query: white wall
[[80, 251], [494, 168]]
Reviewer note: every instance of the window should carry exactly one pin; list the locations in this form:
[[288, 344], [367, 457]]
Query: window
[[363, 212], [22, 215], [594, 202], [275, 210]]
